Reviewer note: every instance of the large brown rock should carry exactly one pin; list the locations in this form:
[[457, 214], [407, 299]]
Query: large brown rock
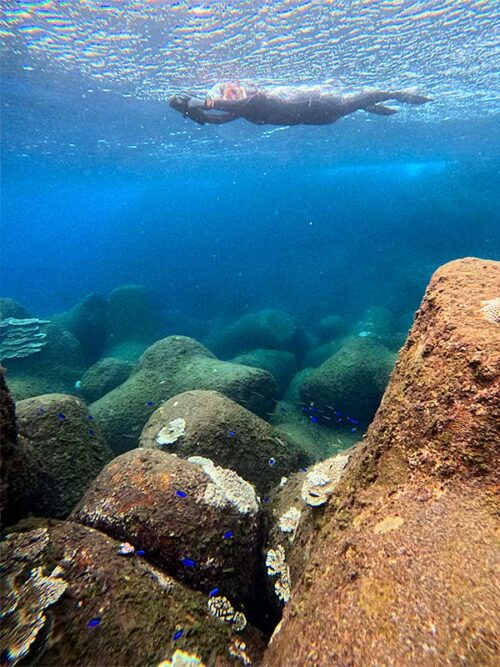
[[404, 570], [198, 522]]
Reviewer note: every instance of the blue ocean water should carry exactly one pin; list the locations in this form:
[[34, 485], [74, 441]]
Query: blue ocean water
[[103, 184]]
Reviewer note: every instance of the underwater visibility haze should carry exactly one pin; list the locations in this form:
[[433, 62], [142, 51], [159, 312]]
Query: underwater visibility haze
[[238, 295]]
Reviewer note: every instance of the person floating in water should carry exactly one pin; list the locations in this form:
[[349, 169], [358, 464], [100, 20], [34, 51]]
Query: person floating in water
[[229, 101]]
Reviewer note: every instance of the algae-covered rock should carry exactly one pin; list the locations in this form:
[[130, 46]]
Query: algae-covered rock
[[206, 423], [131, 316], [103, 377], [8, 443], [352, 380], [87, 321], [403, 570], [268, 329], [281, 364], [331, 327], [169, 367], [197, 521], [64, 452], [317, 355], [74, 600]]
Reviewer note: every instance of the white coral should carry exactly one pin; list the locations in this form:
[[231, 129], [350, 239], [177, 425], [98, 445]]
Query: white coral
[[491, 310], [289, 521], [322, 479], [277, 567], [171, 433]]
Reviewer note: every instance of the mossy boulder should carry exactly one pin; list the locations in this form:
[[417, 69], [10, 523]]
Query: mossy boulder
[[268, 329], [131, 316], [281, 364], [11, 308], [8, 446], [63, 452], [103, 377], [206, 423], [87, 321], [169, 367], [403, 569], [198, 522], [331, 327], [318, 354], [352, 380], [76, 601]]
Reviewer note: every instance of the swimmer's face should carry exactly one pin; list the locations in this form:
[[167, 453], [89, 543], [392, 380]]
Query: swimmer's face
[[233, 91]]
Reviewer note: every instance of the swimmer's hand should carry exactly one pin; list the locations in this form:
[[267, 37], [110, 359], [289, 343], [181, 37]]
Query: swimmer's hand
[[188, 106]]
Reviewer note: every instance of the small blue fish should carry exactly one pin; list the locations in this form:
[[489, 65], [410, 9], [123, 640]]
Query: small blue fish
[[89, 417], [352, 420], [93, 622], [213, 592], [314, 409], [265, 499], [181, 494], [150, 404], [177, 635], [337, 413], [188, 562], [314, 420], [61, 416], [338, 420], [272, 461], [231, 434], [91, 431], [228, 534], [41, 411], [140, 552], [353, 430]]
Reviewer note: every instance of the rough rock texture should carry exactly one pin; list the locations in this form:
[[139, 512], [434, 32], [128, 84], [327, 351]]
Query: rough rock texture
[[169, 367], [268, 329], [103, 377], [55, 368], [131, 316], [332, 326], [404, 571], [62, 453], [281, 364], [316, 356], [199, 527], [351, 381], [87, 321], [100, 608], [8, 443], [220, 429]]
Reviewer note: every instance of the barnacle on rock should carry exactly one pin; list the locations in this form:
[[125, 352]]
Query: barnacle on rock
[[491, 310], [289, 521], [220, 607], [238, 649], [277, 567], [321, 480], [24, 616], [182, 659], [227, 488]]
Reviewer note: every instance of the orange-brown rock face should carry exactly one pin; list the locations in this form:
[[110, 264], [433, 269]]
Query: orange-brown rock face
[[405, 569]]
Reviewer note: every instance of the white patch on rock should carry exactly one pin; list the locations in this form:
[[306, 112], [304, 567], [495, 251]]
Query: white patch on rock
[[226, 487], [322, 479], [289, 521], [277, 567], [171, 433]]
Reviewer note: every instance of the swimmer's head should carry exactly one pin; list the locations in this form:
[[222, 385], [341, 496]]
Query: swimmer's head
[[227, 91]]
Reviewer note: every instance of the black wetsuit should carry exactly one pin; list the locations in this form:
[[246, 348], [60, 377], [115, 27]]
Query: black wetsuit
[[304, 108]]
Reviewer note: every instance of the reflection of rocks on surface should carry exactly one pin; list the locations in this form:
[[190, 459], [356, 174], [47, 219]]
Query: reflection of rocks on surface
[[404, 569], [233, 437], [169, 367]]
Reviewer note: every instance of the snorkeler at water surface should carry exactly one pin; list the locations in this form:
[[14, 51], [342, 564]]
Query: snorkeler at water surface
[[229, 101]]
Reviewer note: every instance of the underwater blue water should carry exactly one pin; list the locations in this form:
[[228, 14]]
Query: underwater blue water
[[103, 184]]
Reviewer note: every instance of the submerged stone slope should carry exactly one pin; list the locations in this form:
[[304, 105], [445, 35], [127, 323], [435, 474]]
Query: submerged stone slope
[[404, 570]]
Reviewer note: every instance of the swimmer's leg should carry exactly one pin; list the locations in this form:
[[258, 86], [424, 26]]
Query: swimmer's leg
[[380, 110]]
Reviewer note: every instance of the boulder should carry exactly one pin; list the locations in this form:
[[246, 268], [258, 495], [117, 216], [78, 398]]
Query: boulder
[[352, 380], [206, 423], [403, 570], [131, 316], [281, 364], [169, 367], [268, 329], [76, 598], [8, 446], [103, 377], [11, 308], [197, 521], [87, 321], [62, 453], [332, 327], [317, 355]]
